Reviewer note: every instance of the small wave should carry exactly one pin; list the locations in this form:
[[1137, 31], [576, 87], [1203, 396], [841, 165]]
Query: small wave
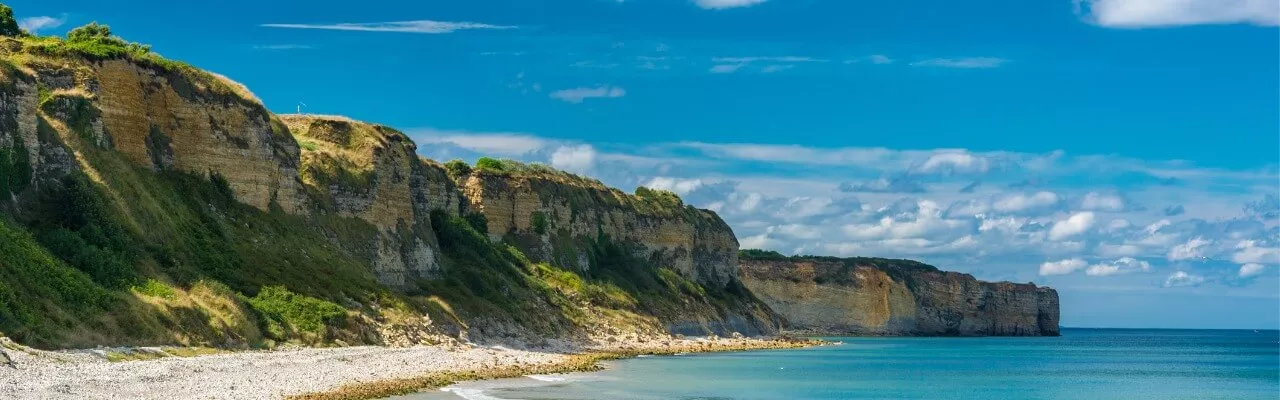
[[548, 378], [471, 394], [644, 356]]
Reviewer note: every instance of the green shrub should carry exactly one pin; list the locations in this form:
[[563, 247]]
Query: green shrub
[[302, 313], [307, 145], [77, 226], [478, 222], [490, 165], [540, 223], [757, 254], [156, 288], [457, 168]]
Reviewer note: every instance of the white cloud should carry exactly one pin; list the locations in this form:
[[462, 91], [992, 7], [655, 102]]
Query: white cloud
[[967, 63], [1095, 201], [954, 162], [1119, 224], [1120, 266], [769, 69], [1062, 267], [418, 26], [1251, 270], [578, 95], [1076, 224], [1157, 13], [1192, 249], [1022, 202], [1120, 250], [723, 4], [1250, 252], [35, 24], [1182, 278], [678, 186], [578, 159], [782, 59], [727, 68], [505, 144], [880, 59]]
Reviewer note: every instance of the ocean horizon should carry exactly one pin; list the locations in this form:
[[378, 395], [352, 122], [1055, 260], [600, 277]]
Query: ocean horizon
[[1083, 363]]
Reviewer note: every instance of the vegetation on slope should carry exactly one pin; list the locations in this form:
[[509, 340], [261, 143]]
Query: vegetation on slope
[[898, 269]]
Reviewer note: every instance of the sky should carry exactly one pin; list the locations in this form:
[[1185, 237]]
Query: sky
[[1124, 152]]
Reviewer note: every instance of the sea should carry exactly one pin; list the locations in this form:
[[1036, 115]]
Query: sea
[[1080, 364]]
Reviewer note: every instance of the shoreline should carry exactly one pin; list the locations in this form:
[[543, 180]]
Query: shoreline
[[348, 373]]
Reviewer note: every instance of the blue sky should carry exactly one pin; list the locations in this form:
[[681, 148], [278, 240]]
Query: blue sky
[[1122, 151]]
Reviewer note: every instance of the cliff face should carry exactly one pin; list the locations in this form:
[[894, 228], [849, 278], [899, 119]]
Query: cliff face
[[896, 297], [373, 173], [580, 224], [555, 218]]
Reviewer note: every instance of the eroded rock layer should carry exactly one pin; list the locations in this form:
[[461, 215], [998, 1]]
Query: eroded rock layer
[[865, 296]]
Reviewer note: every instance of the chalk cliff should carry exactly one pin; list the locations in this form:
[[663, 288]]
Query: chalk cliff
[[869, 296]]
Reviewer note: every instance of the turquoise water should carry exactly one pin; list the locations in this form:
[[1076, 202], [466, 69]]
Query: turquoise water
[[1082, 364]]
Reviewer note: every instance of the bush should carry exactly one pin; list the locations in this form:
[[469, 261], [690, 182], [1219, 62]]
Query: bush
[[457, 168], [307, 145], [8, 25], [156, 288], [303, 313], [756, 254], [540, 222], [490, 165], [478, 222]]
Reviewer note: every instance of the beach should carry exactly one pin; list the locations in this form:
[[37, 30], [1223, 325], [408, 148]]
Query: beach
[[315, 373]]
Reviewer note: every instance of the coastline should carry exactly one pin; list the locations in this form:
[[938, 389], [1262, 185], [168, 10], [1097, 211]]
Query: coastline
[[362, 372]]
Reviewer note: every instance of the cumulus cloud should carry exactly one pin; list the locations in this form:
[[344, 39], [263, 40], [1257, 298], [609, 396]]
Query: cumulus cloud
[[1021, 202], [580, 94], [490, 143], [578, 159], [1161, 13], [1267, 209], [965, 63], [723, 4], [36, 24], [1095, 201], [954, 162], [1192, 249], [678, 186], [1076, 224], [1181, 278], [417, 26], [1062, 267], [1120, 266], [1249, 251], [1251, 270]]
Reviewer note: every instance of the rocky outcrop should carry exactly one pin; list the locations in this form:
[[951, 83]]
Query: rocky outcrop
[[866, 296], [555, 217], [372, 172], [166, 118]]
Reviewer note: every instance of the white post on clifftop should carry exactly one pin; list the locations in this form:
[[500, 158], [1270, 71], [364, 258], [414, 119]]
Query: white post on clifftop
[[300, 105]]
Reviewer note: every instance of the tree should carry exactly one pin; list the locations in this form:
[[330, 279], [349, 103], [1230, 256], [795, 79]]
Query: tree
[[93, 32], [8, 24]]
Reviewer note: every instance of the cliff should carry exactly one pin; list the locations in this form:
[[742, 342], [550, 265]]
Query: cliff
[[145, 201], [870, 296]]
